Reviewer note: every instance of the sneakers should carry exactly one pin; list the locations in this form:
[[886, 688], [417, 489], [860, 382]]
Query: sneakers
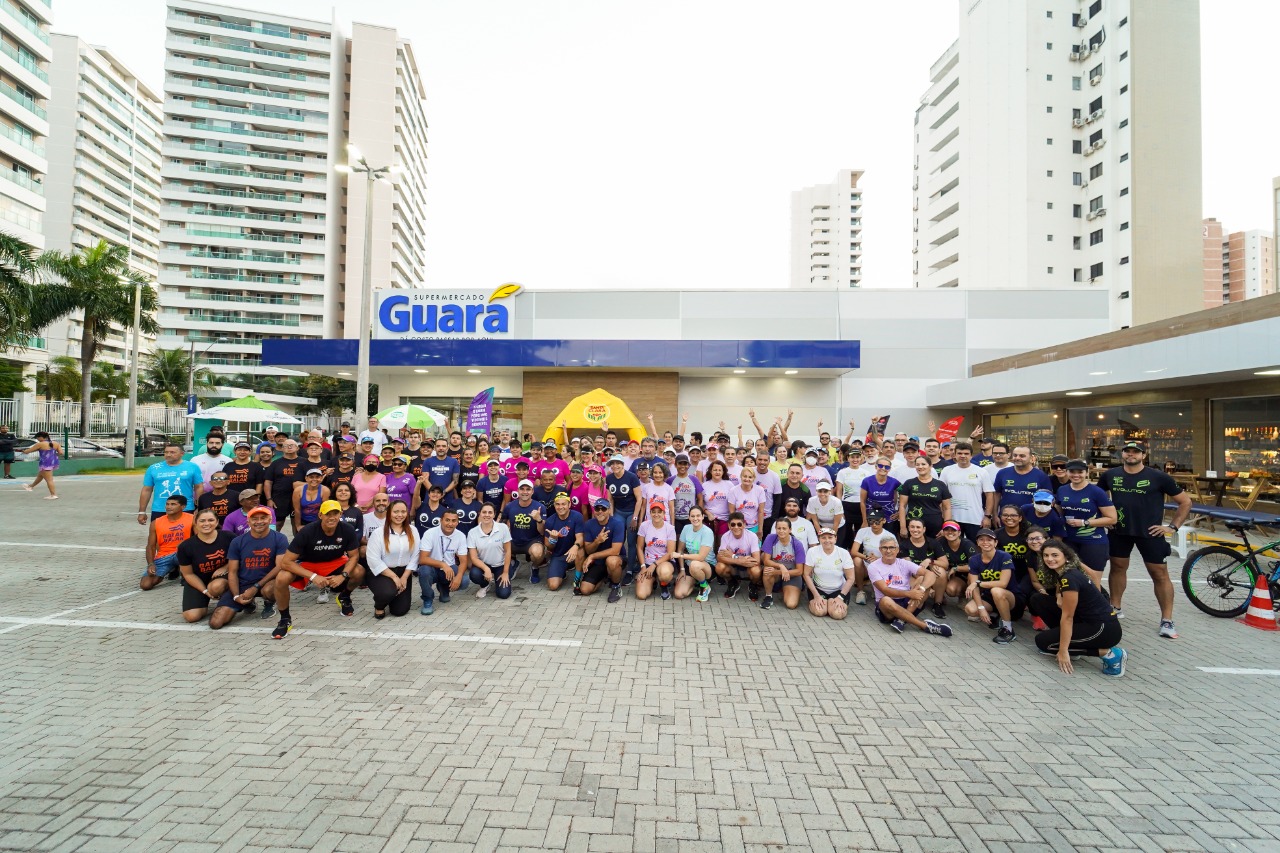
[[753, 592], [1119, 612], [1004, 636], [250, 607], [534, 577], [898, 625], [27, 486], [482, 592], [282, 628], [767, 603], [704, 592], [51, 497], [1113, 663], [665, 595], [615, 593], [1037, 624], [268, 609], [324, 597], [732, 588], [860, 598], [444, 597], [938, 628], [1167, 630], [627, 578], [428, 607], [344, 602], [940, 611]]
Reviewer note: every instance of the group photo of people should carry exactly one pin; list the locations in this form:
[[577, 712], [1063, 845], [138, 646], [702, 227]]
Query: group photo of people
[[918, 530]]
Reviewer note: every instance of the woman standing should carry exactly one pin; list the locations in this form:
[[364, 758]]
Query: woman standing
[[1080, 620], [345, 495], [1089, 513], [824, 510], [715, 498], [202, 559], [925, 497], [48, 452], [880, 491], [392, 555], [750, 499], [368, 482], [695, 552]]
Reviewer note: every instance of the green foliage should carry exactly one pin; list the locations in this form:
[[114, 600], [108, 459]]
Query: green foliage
[[12, 381], [163, 378]]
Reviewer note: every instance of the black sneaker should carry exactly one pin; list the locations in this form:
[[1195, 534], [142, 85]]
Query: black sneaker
[[268, 609], [1004, 636], [731, 589], [665, 595], [344, 601], [577, 590], [284, 627], [753, 592], [939, 611], [251, 607], [720, 580], [615, 593], [627, 578], [767, 603]]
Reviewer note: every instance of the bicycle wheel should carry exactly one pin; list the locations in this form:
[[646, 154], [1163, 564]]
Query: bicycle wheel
[[1219, 580]]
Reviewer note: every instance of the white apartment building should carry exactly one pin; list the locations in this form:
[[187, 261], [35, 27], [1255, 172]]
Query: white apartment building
[[1036, 167], [826, 233], [104, 171]]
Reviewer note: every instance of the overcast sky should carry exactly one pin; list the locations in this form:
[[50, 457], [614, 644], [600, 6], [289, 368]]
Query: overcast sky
[[598, 143]]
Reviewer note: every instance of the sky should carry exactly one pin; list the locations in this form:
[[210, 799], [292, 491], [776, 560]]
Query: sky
[[598, 144]]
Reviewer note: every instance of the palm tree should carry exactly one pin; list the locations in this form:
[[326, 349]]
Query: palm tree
[[17, 269], [98, 283], [164, 376], [60, 380], [109, 382]]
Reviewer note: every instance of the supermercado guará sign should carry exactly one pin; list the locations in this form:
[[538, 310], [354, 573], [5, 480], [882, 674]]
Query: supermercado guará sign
[[433, 314]]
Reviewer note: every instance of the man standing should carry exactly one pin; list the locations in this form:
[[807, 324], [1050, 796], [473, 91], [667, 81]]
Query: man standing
[[1139, 492], [212, 459], [648, 452], [242, 472], [278, 487], [970, 488], [375, 436], [1017, 484], [326, 553], [6, 449], [550, 462], [170, 478], [442, 469]]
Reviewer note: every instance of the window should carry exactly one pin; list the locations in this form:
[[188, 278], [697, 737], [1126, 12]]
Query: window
[[1048, 238], [1075, 84], [1049, 141], [1095, 270], [1048, 77], [1048, 173], [1124, 156], [1095, 237], [1124, 191], [1124, 226], [1048, 109], [1124, 56], [1124, 88], [1077, 147], [1095, 105], [1049, 270], [1095, 204], [1077, 211], [1097, 433], [1077, 179], [1076, 114], [1124, 21], [1077, 274], [1124, 122], [1096, 71], [1124, 260], [1095, 171], [1048, 14], [1095, 9], [1049, 206], [1048, 45], [1075, 242], [1095, 40]]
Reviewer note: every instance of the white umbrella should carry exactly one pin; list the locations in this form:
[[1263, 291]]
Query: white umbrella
[[410, 415]]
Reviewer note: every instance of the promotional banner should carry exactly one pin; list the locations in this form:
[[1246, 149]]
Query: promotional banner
[[947, 432], [878, 426], [480, 412]]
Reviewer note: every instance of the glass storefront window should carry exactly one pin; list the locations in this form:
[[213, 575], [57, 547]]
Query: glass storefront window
[[1096, 434], [1246, 437], [1037, 430], [507, 411]]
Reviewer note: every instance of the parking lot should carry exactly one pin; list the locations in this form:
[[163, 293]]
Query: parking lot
[[554, 722]]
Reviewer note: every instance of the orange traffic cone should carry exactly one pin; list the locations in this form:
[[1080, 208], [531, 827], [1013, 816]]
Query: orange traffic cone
[[1260, 613]]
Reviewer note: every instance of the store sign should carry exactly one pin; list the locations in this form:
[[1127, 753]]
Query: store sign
[[445, 314], [596, 414]]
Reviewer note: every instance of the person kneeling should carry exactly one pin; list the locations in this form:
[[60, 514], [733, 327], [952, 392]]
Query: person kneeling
[[991, 587], [252, 565], [442, 565], [326, 553], [829, 576], [603, 536], [202, 559], [655, 543], [392, 555], [902, 588], [1080, 619]]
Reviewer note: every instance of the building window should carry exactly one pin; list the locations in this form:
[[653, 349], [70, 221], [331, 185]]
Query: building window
[[1124, 156], [1077, 147], [1037, 430], [1077, 179], [1095, 237], [1049, 270], [1095, 71], [1124, 191], [1048, 14], [1048, 45], [1048, 109], [1075, 242], [1077, 274], [1124, 56], [1095, 137], [1096, 434], [1124, 260], [1095, 270], [1245, 442], [1048, 173], [1049, 206], [1095, 204], [1124, 88], [1124, 21], [1048, 238], [1049, 141], [1048, 77], [1075, 84], [1077, 211], [1124, 226], [1076, 114], [1095, 171], [1095, 9], [1095, 105]]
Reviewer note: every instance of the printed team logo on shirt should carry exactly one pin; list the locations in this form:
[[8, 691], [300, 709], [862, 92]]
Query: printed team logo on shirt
[[1014, 548], [990, 574], [620, 489]]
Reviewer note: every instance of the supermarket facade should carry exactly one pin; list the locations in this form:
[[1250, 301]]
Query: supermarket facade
[[1033, 367]]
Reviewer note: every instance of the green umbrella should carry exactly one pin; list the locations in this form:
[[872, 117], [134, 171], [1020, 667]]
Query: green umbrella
[[248, 408], [411, 416]]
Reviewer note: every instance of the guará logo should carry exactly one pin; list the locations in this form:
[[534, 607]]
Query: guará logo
[[399, 313]]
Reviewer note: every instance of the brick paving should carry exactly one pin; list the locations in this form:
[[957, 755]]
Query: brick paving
[[654, 726]]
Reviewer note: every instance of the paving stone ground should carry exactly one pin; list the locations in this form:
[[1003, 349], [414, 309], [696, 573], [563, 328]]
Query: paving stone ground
[[641, 726]]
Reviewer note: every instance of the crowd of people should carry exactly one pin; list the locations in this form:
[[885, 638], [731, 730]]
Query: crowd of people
[[897, 524]]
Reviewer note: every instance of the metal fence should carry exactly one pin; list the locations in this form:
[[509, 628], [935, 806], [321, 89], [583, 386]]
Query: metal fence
[[59, 417]]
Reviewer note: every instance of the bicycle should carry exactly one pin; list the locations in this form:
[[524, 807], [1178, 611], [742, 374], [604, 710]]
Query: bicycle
[[1219, 580]]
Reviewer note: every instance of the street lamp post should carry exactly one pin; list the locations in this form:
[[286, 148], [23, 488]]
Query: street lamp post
[[191, 385], [358, 164]]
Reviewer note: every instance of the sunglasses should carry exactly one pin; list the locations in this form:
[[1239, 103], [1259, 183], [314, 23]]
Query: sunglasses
[[1058, 467], [737, 524], [882, 467]]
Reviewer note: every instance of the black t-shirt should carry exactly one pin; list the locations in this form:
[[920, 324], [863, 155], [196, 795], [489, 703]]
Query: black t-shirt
[[800, 493], [354, 517], [917, 554], [1139, 498], [468, 514], [547, 497], [1091, 607], [959, 558], [220, 504], [491, 492], [624, 490], [283, 474], [205, 558], [1016, 547], [471, 474], [243, 476], [335, 477], [427, 517], [416, 464], [313, 545], [924, 500]]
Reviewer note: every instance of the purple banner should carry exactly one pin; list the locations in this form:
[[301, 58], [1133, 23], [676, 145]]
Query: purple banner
[[480, 413]]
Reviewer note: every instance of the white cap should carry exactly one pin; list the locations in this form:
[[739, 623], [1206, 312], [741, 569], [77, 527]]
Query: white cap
[[823, 486], [524, 483]]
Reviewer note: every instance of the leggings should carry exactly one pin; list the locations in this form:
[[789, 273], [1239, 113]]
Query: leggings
[[385, 595], [1088, 638], [852, 524]]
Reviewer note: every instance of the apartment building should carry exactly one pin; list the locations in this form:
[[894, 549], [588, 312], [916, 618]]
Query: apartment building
[[1237, 266], [826, 233], [1036, 167], [104, 171]]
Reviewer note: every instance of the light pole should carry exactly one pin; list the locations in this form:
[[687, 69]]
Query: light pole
[[358, 164], [191, 384]]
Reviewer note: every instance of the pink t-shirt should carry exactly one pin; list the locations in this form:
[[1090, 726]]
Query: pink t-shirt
[[558, 465], [740, 546], [595, 492], [735, 473], [752, 504], [656, 540], [897, 576], [580, 500], [513, 487], [366, 489], [811, 477], [715, 497], [508, 466]]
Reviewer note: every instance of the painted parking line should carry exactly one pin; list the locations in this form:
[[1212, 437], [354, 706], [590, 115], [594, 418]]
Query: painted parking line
[[22, 621], [1231, 670], [77, 547], [43, 620]]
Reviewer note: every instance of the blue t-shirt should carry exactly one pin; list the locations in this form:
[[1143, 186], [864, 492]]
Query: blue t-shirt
[[883, 496], [1083, 504], [1016, 489], [691, 542], [982, 460], [169, 480], [256, 556], [1000, 562], [563, 531], [440, 472], [624, 490], [1053, 524], [617, 533], [520, 520]]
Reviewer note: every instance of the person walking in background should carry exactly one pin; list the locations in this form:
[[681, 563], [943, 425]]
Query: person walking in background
[[49, 452]]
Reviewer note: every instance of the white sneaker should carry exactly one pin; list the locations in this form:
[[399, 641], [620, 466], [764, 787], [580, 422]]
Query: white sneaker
[[482, 592], [324, 596], [1119, 612], [860, 598]]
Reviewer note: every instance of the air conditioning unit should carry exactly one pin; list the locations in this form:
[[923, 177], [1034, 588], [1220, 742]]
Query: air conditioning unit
[[1076, 56], [1084, 184], [1077, 122], [1093, 81], [1082, 22], [1102, 211], [1092, 279], [1091, 216], [1088, 151], [1097, 114], [1099, 144]]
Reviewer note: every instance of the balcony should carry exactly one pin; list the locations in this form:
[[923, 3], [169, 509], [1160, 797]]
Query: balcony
[[273, 32], [264, 238], [24, 60], [248, 321], [241, 48], [262, 134], [290, 299], [249, 258], [245, 111], [23, 100], [23, 181], [235, 152], [244, 90], [244, 69], [23, 21], [236, 214], [212, 275], [289, 197], [25, 140], [243, 173], [22, 221]]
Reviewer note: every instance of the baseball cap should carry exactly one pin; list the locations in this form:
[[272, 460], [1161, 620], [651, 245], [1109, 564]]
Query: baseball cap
[[1077, 465], [245, 494], [677, 438], [549, 443], [795, 501], [601, 503], [368, 439], [1134, 445], [271, 429], [315, 471], [371, 459], [617, 457], [314, 443], [911, 445], [524, 483], [823, 486], [330, 506], [577, 466], [657, 505], [812, 453], [258, 510], [1058, 458], [826, 531], [398, 460], [246, 445], [872, 515], [1042, 497], [642, 463], [682, 457], [950, 525], [986, 531], [264, 444], [492, 462]]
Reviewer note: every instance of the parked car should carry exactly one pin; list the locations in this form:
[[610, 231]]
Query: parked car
[[81, 448], [152, 441]]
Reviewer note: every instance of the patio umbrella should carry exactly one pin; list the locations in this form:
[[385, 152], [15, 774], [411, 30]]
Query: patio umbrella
[[248, 408], [411, 416]]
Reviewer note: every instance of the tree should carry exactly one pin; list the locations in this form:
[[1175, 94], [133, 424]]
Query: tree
[[11, 380], [109, 382], [97, 282], [333, 395], [164, 376], [17, 270], [61, 380]]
